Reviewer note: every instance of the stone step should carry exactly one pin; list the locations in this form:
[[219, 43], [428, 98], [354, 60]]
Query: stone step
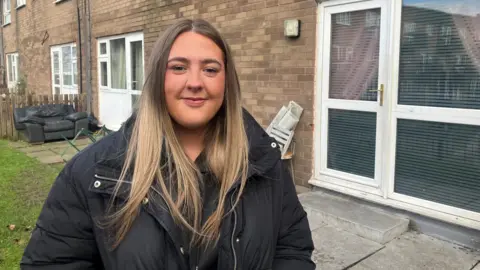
[[352, 216]]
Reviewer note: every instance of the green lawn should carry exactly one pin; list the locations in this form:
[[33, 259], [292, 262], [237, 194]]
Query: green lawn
[[24, 185]]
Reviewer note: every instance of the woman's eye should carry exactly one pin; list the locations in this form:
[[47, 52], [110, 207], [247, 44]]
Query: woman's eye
[[211, 70], [178, 68]]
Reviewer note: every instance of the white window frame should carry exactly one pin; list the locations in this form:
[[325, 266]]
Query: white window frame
[[21, 3], [12, 81], [7, 12], [385, 193], [105, 58], [113, 99], [64, 89]]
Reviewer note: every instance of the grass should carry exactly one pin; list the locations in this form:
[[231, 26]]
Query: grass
[[24, 185]]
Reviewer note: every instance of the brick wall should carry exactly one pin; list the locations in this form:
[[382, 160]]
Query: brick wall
[[273, 69], [34, 28]]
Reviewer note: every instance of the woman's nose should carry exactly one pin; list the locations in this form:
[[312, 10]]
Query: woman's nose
[[194, 80]]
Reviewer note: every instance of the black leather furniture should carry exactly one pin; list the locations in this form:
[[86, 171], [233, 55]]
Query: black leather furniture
[[49, 122]]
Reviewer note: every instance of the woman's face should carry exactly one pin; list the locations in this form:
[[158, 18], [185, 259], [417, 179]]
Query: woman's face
[[194, 80]]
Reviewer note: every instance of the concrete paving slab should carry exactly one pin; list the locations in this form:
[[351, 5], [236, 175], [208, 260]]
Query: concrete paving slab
[[44, 153], [419, 251], [54, 159], [314, 221], [354, 217], [31, 149], [301, 189], [336, 249], [68, 157], [477, 267], [19, 144]]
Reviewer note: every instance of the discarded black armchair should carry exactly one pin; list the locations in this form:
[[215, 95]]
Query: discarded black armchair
[[49, 122]]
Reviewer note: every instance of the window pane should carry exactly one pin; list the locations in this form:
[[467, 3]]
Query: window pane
[[56, 79], [74, 52], [16, 67], [57, 90], [135, 99], [352, 142], [118, 64], [14, 71], [137, 65], [354, 55], [75, 72], [440, 54], [56, 63], [67, 65], [10, 68], [103, 48], [439, 162], [103, 74]]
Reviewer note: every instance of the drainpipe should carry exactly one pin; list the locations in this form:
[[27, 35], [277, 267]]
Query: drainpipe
[[79, 51], [89, 56], [17, 42], [2, 55]]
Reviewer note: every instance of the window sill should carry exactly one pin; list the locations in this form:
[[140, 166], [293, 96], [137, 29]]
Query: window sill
[[21, 6], [59, 1], [6, 24]]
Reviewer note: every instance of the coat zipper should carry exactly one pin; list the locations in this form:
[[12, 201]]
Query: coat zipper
[[109, 179], [233, 236]]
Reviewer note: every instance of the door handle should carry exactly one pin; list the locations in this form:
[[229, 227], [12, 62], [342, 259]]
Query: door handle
[[381, 90]]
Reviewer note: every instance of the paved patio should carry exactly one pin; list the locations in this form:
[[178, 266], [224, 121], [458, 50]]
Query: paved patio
[[51, 152], [339, 249]]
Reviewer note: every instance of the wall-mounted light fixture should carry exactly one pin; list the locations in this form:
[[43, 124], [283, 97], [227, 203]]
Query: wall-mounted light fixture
[[292, 28]]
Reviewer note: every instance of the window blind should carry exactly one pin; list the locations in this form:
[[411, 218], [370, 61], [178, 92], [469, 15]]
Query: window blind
[[439, 162], [440, 54], [352, 142], [439, 67]]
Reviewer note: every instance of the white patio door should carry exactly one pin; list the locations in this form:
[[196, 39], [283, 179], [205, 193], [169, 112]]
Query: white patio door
[[352, 109], [64, 69], [121, 77]]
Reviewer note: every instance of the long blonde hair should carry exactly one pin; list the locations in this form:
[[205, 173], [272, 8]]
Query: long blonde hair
[[226, 147]]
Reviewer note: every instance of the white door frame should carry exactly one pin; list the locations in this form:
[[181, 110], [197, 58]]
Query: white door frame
[[364, 184], [106, 90], [384, 194]]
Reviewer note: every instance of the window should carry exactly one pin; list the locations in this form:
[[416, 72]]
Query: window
[[6, 12], [121, 62], [343, 18], [121, 70], [438, 121], [21, 3], [372, 19], [64, 69], [12, 70]]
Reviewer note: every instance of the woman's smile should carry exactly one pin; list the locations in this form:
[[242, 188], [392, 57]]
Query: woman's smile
[[194, 102]]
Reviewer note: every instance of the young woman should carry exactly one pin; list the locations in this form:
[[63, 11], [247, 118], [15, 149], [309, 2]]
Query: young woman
[[190, 181]]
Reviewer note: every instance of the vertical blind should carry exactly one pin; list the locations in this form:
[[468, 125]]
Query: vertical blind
[[439, 67]]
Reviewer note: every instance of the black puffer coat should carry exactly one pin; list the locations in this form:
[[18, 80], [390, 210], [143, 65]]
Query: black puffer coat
[[267, 230]]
